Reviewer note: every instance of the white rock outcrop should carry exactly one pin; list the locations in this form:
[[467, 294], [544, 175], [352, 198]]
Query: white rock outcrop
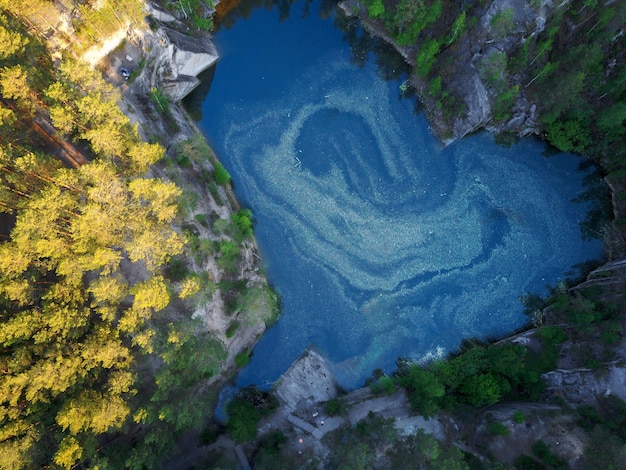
[[175, 60]]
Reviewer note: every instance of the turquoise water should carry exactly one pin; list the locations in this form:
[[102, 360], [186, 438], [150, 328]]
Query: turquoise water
[[380, 242]]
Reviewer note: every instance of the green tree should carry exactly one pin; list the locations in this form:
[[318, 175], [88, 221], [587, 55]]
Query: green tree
[[13, 43], [424, 390], [15, 84], [484, 389], [410, 17], [376, 9]]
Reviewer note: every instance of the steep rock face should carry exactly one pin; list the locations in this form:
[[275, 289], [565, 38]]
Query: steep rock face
[[469, 62], [174, 61], [582, 386], [477, 49]]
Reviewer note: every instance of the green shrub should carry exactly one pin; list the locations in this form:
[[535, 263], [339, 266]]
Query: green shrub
[[519, 417], [541, 450], [202, 219], [221, 175], [188, 201], [336, 406], [183, 161], [229, 256], [161, 101], [242, 219], [503, 22], [242, 359], [551, 335], [383, 384], [243, 418], [215, 193], [245, 410], [525, 462], [177, 269], [504, 102], [424, 390], [376, 9], [232, 328], [210, 434], [426, 57], [497, 429]]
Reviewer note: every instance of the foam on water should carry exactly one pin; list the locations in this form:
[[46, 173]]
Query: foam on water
[[381, 243]]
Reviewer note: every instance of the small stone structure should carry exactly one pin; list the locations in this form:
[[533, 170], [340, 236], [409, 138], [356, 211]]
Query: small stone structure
[[307, 382]]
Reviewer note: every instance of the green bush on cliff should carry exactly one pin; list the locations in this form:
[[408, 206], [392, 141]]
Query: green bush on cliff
[[426, 57], [221, 175]]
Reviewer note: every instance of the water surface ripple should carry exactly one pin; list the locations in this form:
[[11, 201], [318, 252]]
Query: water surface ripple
[[381, 243]]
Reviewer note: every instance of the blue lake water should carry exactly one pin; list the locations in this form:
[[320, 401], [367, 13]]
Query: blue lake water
[[380, 242]]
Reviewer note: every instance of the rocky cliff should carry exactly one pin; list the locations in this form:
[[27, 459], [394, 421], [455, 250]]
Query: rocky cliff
[[468, 66], [174, 59]]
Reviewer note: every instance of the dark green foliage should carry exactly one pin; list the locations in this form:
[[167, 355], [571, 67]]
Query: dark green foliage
[[243, 418], [211, 433], [612, 332], [610, 413], [569, 135], [269, 455], [356, 447], [232, 328], [606, 426], [242, 359], [525, 462], [177, 269], [424, 390], [409, 18], [336, 406], [202, 219], [569, 78], [551, 335], [605, 450], [504, 103], [480, 376], [543, 452], [483, 390], [519, 417], [212, 186], [497, 429], [422, 451], [384, 384], [245, 410]]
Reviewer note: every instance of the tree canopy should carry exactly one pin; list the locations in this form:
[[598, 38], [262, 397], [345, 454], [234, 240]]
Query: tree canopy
[[88, 350]]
